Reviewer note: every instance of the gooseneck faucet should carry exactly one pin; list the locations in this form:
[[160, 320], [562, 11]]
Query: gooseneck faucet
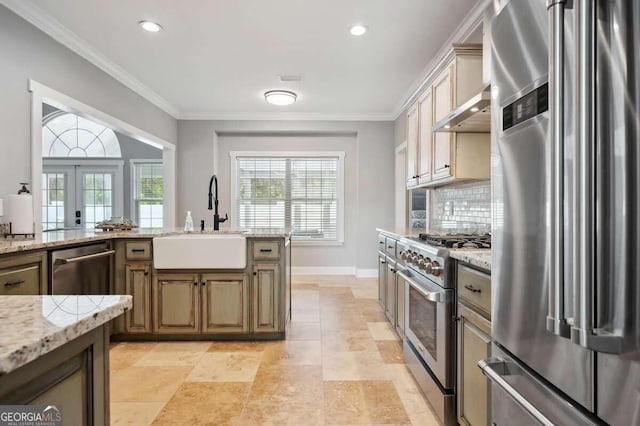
[[213, 203]]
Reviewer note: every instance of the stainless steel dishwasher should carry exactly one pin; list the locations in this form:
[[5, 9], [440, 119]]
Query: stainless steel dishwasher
[[81, 270]]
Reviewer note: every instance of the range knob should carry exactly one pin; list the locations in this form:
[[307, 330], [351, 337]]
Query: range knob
[[421, 262], [434, 268]]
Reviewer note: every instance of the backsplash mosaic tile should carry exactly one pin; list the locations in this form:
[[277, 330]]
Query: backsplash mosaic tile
[[418, 216], [465, 207]]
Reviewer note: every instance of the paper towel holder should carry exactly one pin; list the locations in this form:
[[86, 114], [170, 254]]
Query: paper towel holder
[[5, 228]]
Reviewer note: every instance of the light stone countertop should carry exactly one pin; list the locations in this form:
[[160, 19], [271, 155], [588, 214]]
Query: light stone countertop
[[479, 258], [61, 238], [32, 326]]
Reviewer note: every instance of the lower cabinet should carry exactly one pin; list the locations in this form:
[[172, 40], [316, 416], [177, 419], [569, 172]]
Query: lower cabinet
[[266, 294], [137, 283], [382, 279], [23, 274], [225, 303], [194, 304], [390, 290], [474, 344], [176, 303]]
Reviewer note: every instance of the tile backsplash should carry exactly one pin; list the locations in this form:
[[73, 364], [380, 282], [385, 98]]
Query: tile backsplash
[[466, 207], [418, 217]]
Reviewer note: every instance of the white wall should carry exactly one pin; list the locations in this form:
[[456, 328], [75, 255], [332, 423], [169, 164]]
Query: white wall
[[400, 129], [27, 53], [371, 173]]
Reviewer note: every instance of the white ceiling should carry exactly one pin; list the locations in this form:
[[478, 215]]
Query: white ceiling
[[218, 57]]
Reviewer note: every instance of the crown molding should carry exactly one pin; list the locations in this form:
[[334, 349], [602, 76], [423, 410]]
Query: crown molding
[[288, 116], [50, 26], [438, 63]]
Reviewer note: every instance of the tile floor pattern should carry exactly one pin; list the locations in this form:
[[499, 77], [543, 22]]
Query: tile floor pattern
[[340, 365]]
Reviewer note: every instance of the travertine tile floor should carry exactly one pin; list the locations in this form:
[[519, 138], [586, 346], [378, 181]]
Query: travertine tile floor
[[341, 364]]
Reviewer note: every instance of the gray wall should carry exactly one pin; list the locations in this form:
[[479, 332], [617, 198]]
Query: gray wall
[[373, 175], [27, 53], [400, 129]]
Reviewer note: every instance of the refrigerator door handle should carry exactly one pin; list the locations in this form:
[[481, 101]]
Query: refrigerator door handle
[[556, 318], [495, 369], [583, 332]]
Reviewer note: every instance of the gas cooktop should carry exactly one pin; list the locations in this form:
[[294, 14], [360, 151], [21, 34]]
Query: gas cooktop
[[472, 241]]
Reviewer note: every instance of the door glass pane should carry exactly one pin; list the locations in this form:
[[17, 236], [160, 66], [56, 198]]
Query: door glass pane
[[98, 199], [423, 321], [53, 201]]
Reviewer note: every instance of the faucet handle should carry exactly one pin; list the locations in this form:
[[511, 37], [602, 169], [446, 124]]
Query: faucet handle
[[226, 218]]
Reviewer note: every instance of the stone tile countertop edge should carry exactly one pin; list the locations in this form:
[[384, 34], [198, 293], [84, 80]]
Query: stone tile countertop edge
[[62, 238], [35, 325], [479, 258]]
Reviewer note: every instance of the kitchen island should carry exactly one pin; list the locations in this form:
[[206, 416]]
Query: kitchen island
[[54, 351]]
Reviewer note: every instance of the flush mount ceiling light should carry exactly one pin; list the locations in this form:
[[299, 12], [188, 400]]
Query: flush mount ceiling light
[[149, 26], [280, 97], [358, 30], [475, 109]]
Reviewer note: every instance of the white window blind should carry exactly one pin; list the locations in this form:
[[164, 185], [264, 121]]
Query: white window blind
[[148, 194], [300, 193]]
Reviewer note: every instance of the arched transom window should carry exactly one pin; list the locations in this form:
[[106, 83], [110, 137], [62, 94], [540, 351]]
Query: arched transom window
[[68, 135]]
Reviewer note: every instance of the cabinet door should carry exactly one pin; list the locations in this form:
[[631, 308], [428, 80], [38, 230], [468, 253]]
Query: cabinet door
[[400, 304], [176, 304], [137, 283], [390, 287], [425, 135], [225, 303], [474, 344], [382, 279], [266, 294], [412, 146], [442, 105], [23, 274]]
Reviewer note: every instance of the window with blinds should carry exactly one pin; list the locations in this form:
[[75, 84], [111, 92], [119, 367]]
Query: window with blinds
[[148, 194], [300, 193]]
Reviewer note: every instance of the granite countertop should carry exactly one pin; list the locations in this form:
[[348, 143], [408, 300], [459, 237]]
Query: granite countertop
[[402, 232], [479, 258], [35, 325], [60, 238]]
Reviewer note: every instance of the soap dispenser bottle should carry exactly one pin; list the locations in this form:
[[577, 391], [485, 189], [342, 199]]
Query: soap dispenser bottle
[[188, 223]]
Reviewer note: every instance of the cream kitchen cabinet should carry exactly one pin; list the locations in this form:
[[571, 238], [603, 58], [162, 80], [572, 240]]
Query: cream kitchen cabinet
[[438, 158], [176, 304], [225, 303], [138, 284], [266, 293], [412, 146]]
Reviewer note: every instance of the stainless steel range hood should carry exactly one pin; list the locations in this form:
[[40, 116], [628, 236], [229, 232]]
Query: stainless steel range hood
[[473, 116]]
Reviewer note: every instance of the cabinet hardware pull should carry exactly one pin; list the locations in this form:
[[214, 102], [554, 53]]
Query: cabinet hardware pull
[[389, 246], [446, 166], [255, 273], [383, 262], [380, 242], [472, 289], [137, 250], [266, 250], [13, 283], [195, 283]]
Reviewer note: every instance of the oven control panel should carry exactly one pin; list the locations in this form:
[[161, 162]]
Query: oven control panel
[[423, 262]]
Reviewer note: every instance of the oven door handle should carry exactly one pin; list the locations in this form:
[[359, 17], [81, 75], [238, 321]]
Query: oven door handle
[[86, 257], [433, 296]]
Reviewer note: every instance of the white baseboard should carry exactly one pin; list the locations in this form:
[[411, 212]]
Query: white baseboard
[[367, 273], [323, 270]]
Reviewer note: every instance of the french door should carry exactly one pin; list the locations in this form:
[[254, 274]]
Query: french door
[[79, 196]]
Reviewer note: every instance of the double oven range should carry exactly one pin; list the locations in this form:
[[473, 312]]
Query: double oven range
[[430, 315]]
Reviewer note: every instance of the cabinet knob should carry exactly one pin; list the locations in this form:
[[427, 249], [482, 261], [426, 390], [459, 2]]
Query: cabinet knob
[[255, 273], [195, 283], [146, 274], [446, 166]]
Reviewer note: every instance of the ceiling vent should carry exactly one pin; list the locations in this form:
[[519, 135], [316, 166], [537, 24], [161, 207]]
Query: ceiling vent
[[290, 78]]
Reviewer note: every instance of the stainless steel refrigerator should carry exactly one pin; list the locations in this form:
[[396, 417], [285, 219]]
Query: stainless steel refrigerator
[[566, 183]]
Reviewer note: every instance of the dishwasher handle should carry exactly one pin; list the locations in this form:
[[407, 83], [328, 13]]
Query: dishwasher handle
[[86, 257]]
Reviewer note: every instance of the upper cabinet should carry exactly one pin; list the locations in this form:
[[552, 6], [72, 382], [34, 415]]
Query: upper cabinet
[[437, 158]]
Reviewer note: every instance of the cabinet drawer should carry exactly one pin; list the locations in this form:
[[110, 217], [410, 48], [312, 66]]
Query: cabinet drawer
[[474, 287], [20, 281], [381, 243], [138, 250], [390, 247], [266, 250]]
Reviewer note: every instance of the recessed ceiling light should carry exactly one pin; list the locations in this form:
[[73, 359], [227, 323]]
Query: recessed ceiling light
[[358, 30], [280, 97], [446, 126], [475, 109], [152, 27]]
